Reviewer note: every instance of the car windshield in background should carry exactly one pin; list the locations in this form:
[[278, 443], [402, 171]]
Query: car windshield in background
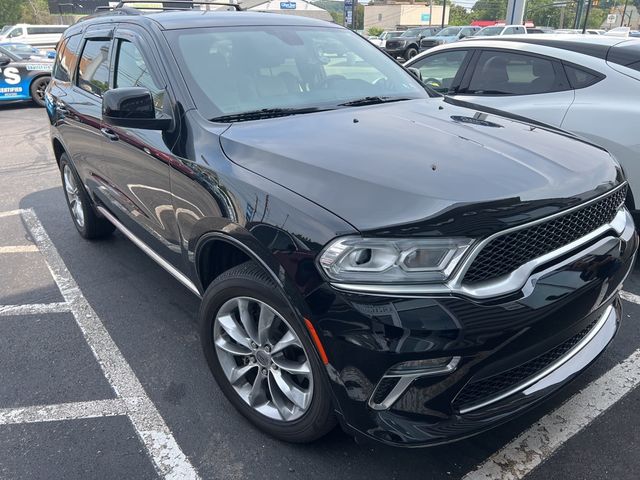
[[5, 29], [412, 32], [448, 32], [488, 31], [243, 70]]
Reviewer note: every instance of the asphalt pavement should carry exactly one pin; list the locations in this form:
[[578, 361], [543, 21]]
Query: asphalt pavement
[[102, 376]]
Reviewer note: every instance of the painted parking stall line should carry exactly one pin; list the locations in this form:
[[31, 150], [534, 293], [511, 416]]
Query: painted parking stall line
[[539, 442], [63, 411], [34, 309], [168, 458], [19, 249]]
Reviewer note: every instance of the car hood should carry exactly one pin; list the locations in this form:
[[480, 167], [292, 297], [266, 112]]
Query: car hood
[[422, 162]]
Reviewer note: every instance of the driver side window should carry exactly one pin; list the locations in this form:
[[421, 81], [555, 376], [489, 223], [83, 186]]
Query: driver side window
[[438, 71]]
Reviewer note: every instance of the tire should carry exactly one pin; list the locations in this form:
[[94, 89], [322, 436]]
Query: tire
[[410, 53], [85, 218], [37, 88], [249, 283]]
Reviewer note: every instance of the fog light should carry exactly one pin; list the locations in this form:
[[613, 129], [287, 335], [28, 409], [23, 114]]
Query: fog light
[[427, 366]]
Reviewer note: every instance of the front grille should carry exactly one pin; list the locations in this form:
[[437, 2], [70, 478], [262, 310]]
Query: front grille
[[392, 44], [475, 392], [383, 389], [506, 253]]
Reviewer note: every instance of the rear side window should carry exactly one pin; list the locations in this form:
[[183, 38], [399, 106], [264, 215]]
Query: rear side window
[[581, 78], [93, 71], [505, 73], [66, 58]]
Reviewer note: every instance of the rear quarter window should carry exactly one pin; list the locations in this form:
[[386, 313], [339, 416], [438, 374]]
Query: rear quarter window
[[581, 78], [66, 58]]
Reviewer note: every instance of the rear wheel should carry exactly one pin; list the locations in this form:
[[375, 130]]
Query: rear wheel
[[38, 88], [84, 217], [262, 358]]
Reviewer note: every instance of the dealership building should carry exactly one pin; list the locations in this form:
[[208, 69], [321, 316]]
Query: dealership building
[[390, 15]]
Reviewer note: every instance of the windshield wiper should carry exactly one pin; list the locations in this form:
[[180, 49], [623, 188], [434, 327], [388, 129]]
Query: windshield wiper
[[266, 113], [371, 101]]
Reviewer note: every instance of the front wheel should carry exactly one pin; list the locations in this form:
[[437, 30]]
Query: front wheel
[[262, 358], [410, 53], [37, 89]]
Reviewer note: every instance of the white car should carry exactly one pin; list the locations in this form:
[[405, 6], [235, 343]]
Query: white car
[[381, 40], [498, 30], [586, 84], [41, 36]]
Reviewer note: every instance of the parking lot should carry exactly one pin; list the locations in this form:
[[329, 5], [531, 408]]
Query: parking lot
[[102, 375]]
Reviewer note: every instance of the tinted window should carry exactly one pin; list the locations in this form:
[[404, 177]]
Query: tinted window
[[503, 73], [93, 71], [626, 54], [66, 58], [132, 71], [439, 70], [243, 69], [579, 78]]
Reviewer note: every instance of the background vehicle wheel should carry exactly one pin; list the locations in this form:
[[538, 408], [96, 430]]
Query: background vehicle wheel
[[84, 217], [37, 89], [262, 357], [410, 53]]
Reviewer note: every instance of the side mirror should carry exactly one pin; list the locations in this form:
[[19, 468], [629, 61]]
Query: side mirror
[[132, 107], [415, 72], [4, 60]]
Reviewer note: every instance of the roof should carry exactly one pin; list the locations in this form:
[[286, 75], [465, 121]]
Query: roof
[[171, 20], [593, 45]]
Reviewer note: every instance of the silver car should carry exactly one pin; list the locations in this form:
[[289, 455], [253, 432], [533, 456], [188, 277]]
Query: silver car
[[586, 84]]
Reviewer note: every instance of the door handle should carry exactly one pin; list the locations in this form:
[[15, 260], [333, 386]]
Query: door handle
[[110, 134]]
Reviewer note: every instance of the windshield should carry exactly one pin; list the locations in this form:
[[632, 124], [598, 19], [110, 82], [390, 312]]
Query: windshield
[[448, 32], [488, 31], [5, 29], [412, 32], [234, 70], [19, 48]]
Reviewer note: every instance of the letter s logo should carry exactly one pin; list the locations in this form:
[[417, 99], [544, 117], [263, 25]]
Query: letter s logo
[[11, 76]]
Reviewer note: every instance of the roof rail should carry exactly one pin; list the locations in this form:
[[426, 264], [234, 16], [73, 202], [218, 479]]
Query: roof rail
[[173, 5]]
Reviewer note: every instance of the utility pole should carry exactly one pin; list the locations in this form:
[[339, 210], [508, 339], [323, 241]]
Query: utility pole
[[586, 17], [562, 17], [624, 12], [576, 22], [444, 9]]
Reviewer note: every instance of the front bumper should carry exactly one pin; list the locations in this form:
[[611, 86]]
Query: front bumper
[[511, 351]]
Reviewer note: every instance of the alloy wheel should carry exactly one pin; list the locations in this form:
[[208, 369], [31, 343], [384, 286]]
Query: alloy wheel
[[263, 358], [73, 196]]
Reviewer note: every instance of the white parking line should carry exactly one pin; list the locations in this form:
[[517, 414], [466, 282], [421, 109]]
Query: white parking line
[[540, 441], [19, 249], [630, 297], [63, 411], [11, 213], [169, 460], [34, 308]]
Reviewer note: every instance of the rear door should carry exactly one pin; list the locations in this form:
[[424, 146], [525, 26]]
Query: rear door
[[530, 85]]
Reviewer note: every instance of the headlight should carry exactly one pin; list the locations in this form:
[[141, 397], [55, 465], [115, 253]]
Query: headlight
[[375, 260]]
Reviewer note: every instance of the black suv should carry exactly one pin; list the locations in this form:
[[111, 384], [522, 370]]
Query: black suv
[[367, 251], [407, 45]]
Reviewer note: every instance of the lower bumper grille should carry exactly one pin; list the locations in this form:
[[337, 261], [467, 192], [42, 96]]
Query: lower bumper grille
[[474, 392]]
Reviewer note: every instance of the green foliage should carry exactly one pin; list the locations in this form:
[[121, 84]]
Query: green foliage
[[459, 16], [10, 12], [597, 17], [489, 10], [375, 31]]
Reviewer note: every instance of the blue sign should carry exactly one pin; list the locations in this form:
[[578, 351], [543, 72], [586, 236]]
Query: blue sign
[[425, 17], [287, 5]]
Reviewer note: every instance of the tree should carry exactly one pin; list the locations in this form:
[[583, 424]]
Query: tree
[[459, 16], [35, 11], [10, 11], [375, 31], [489, 10]]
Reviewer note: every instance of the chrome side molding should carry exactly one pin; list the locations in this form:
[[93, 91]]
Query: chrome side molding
[[178, 275]]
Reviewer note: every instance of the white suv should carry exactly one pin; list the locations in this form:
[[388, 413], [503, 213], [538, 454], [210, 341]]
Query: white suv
[[41, 36]]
